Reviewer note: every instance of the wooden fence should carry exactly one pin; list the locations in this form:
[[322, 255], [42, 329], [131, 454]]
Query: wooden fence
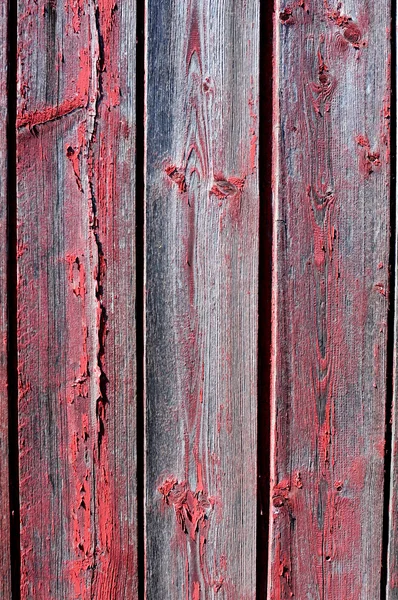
[[197, 250]]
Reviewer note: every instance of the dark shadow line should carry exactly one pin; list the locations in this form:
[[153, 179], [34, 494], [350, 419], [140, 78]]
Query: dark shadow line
[[139, 248], [12, 325], [265, 291], [391, 318]]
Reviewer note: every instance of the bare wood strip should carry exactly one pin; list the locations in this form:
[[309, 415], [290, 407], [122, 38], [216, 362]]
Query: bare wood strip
[[201, 298]]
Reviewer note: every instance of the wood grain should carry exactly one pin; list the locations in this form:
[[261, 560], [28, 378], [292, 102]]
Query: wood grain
[[392, 550], [392, 554], [5, 564], [76, 298], [331, 253], [202, 204]]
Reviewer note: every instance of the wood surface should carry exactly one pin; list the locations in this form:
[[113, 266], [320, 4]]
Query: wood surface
[[392, 539], [5, 571], [196, 510], [202, 205], [331, 191], [76, 298], [392, 554]]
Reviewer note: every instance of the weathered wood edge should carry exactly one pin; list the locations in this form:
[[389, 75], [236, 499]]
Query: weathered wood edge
[[5, 558]]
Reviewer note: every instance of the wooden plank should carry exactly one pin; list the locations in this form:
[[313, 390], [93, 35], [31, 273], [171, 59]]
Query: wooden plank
[[331, 253], [202, 204], [76, 298], [392, 553], [5, 563]]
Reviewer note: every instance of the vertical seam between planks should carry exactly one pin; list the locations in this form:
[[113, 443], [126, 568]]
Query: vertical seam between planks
[[392, 331], [140, 138], [265, 292], [12, 348], [274, 284]]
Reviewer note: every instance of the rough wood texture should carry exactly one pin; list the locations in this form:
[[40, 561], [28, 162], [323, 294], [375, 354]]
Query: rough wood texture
[[201, 298], [5, 575], [76, 298], [392, 558], [331, 253], [392, 572]]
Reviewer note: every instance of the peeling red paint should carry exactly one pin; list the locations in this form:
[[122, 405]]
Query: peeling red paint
[[227, 187], [192, 511], [369, 161], [40, 117], [231, 190], [379, 287], [191, 508], [351, 30], [325, 463], [76, 275], [77, 139], [286, 15], [73, 155], [297, 480], [178, 176], [77, 9]]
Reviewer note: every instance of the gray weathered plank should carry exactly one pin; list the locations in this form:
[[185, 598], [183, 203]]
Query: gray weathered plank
[[331, 253], [202, 202]]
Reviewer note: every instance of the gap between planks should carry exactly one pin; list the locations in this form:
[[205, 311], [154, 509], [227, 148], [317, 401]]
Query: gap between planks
[[265, 293], [140, 268], [392, 327], [12, 325]]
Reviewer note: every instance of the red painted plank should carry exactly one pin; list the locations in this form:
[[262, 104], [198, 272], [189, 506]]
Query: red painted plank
[[76, 298], [331, 252], [202, 204], [5, 574]]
